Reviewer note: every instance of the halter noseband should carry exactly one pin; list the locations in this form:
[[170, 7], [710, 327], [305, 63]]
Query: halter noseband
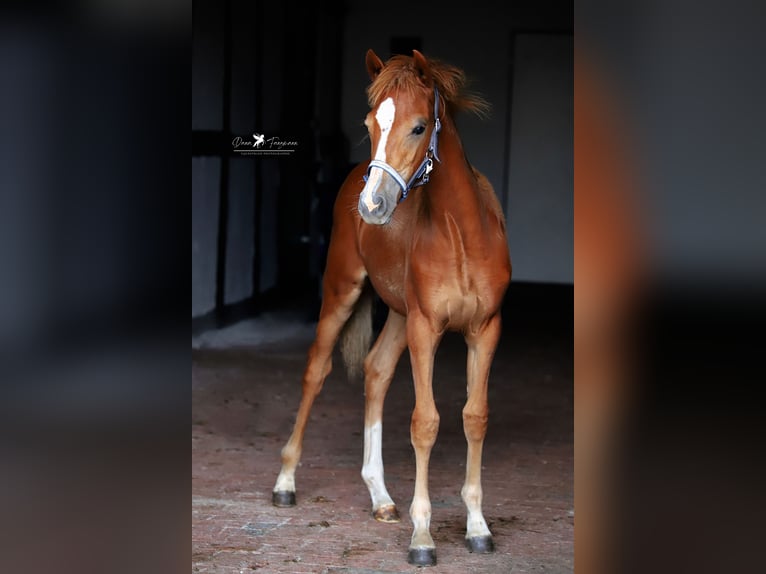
[[421, 175]]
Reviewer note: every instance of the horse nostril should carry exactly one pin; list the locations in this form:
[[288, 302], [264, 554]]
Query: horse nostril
[[381, 207], [376, 207]]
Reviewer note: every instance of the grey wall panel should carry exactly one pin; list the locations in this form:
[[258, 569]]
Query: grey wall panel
[[205, 197], [540, 211], [240, 247]]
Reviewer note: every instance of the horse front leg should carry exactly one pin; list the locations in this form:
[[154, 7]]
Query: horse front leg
[[337, 305], [379, 367], [481, 349], [422, 340]]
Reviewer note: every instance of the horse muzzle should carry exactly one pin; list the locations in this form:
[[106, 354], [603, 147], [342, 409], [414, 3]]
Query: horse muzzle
[[377, 211], [378, 198]]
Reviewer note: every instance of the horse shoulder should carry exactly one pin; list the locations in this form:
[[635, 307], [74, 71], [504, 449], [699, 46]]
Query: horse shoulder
[[343, 257]]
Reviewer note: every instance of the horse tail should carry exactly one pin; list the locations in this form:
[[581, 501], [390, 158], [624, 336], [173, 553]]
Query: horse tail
[[357, 334]]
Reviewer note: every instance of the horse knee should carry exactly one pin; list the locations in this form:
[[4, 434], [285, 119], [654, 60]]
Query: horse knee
[[424, 428], [474, 425]]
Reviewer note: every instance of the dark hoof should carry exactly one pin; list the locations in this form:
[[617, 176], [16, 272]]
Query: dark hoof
[[283, 498], [480, 544], [422, 556], [386, 514]]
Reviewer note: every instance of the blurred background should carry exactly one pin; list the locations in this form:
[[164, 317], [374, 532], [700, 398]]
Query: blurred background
[[94, 401]]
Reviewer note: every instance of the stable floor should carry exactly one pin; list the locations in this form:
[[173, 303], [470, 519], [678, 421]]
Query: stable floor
[[246, 384]]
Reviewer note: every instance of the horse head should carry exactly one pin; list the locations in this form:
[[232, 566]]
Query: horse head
[[403, 125]]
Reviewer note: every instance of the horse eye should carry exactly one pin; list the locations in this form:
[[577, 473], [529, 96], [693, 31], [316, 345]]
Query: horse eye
[[417, 130]]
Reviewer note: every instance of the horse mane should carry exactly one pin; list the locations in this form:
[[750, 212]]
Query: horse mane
[[399, 73]]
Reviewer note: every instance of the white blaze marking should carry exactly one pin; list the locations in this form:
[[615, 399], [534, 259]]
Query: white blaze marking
[[372, 471], [385, 117]]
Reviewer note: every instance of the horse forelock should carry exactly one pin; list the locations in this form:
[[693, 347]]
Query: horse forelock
[[399, 74]]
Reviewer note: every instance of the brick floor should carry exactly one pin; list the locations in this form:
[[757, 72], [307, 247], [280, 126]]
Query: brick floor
[[244, 402]]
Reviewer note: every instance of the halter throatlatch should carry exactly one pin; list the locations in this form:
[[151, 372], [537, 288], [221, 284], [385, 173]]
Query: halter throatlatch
[[422, 174]]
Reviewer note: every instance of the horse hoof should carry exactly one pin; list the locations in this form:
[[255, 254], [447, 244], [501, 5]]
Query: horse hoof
[[480, 544], [283, 498], [387, 513], [422, 556]]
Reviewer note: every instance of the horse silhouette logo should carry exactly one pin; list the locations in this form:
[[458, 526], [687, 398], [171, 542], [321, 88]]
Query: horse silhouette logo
[[258, 140]]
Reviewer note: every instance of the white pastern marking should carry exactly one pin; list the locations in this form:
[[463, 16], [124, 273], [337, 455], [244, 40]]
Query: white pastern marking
[[285, 482], [372, 470], [476, 526], [420, 514], [385, 118]]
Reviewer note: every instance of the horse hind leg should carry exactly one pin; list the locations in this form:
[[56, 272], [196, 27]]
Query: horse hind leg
[[481, 348], [379, 367], [337, 307]]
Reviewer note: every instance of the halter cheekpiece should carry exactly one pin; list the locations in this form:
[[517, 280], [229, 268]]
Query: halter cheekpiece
[[421, 175]]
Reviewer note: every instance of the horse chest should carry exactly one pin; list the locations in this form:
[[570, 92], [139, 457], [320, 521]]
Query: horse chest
[[452, 293], [447, 296], [455, 283]]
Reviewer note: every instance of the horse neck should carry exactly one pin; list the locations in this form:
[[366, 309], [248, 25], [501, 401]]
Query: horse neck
[[455, 189]]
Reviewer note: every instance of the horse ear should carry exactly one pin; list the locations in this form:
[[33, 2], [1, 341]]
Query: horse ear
[[422, 67], [374, 64]]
